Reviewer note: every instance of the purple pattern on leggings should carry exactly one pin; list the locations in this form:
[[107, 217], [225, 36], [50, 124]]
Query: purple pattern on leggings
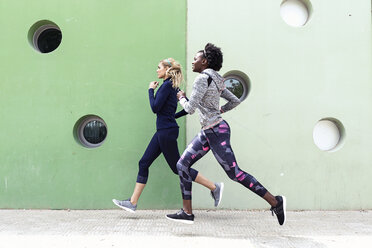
[[218, 140]]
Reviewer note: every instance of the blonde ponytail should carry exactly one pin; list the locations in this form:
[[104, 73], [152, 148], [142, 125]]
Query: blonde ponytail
[[174, 71]]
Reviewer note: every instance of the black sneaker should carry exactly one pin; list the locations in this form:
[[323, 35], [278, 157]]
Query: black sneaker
[[280, 209], [181, 216]]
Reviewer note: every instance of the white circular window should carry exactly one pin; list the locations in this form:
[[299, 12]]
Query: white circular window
[[295, 13], [238, 83], [90, 131], [45, 36], [328, 134]]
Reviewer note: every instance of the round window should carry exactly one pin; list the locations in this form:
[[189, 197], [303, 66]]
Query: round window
[[296, 13], [238, 83], [235, 86], [45, 36], [329, 134], [91, 131]]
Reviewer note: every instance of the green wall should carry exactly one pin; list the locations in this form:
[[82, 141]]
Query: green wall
[[108, 55], [298, 76]]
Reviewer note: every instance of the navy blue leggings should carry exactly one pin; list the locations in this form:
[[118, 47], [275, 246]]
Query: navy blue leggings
[[164, 141], [216, 139]]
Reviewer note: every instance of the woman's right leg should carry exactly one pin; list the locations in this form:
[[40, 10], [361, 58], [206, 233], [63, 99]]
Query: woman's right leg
[[195, 150], [152, 152], [138, 188]]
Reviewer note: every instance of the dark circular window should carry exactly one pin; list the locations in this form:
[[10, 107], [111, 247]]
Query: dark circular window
[[235, 86], [238, 83], [95, 132], [49, 39], [45, 36], [91, 131]]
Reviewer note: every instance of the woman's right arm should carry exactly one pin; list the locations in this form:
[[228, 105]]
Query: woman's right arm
[[157, 102], [198, 90]]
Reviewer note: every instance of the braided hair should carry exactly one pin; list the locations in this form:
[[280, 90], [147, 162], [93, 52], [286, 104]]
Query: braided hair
[[213, 55]]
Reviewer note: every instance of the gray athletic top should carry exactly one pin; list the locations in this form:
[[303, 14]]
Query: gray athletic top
[[207, 98]]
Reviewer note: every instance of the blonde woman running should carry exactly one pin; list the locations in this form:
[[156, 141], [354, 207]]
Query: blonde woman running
[[164, 105]]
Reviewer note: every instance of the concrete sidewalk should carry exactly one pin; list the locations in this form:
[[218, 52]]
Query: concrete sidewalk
[[212, 228]]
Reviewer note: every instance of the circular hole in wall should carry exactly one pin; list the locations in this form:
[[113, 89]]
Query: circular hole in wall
[[296, 13], [90, 131], [45, 36], [238, 83], [329, 134]]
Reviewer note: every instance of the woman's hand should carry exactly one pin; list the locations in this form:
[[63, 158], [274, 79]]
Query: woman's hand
[[181, 94], [153, 85]]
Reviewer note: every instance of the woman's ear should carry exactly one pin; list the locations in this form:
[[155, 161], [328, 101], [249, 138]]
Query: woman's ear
[[204, 62]]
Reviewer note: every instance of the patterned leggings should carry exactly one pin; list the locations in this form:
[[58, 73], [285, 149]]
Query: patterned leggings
[[216, 139]]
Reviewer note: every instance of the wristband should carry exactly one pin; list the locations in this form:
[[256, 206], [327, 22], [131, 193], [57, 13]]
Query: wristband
[[183, 101]]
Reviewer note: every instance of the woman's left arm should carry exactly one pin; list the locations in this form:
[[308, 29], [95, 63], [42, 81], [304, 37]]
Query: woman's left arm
[[180, 114], [232, 101]]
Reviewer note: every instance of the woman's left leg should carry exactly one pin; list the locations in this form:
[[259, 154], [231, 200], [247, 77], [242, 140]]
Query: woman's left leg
[[168, 142], [219, 142]]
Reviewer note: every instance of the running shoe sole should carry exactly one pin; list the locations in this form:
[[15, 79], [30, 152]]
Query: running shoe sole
[[221, 192], [284, 209], [189, 222], [125, 208]]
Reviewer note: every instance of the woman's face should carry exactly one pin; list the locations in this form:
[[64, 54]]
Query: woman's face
[[161, 70], [199, 63]]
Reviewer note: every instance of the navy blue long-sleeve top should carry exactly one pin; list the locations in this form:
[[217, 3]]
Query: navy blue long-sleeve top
[[164, 105]]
